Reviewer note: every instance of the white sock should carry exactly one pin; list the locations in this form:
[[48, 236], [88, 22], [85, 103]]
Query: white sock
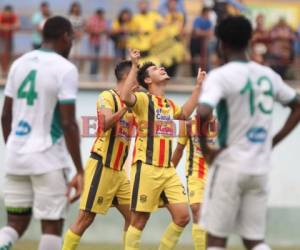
[[8, 236], [215, 248], [50, 242], [262, 246]]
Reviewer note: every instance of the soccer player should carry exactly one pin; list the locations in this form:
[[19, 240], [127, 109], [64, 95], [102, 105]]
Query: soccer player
[[196, 173], [106, 183], [244, 93], [39, 124], [152, 175]]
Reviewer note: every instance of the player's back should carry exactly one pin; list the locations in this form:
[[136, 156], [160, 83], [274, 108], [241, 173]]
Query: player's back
[[36, 82], [246, 92]]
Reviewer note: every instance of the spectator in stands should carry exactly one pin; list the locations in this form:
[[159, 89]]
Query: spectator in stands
[[201, 34], [121, 29], [96, 27], [260, 40], [145, 23], [9, 23], [77, 21], [281, 48], [163, 8], [175, 20], [38, 21]]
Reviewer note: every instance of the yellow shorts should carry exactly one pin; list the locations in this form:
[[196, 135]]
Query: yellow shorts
[[103, 187], [150, 185], [195, 189]]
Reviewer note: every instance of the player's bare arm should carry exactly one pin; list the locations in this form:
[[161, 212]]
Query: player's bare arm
[[191, 104], [180, 146], [130, 84], [6, 117], [110, 118], [177, 154], [203, 117], [291, 122], [72, 137]]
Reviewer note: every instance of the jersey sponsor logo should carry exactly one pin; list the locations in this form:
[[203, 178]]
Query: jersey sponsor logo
[[124, 129], [257, 135], [162, 116], [23, 128]]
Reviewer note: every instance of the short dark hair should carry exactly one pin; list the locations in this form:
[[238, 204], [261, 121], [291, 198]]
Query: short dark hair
[[143, 73], [205, 9], [55, 27], [8, 8], [122, 68], [100, 12], [44, 4], [235, 32]]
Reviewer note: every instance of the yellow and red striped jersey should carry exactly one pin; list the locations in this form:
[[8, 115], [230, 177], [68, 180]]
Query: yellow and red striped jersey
[[155, 129], [113, 144], [195, 164]]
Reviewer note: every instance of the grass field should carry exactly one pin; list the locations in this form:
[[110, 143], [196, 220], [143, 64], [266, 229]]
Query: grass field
[[30, 245]]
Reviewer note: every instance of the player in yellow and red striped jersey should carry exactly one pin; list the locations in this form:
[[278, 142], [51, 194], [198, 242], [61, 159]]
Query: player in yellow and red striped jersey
[[106, 183], [196, 172], [152, 175]]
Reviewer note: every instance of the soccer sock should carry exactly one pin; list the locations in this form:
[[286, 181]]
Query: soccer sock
[[8, 236], [50, 242], [133, 238], [199, 237], [170, 237], [71, 241], [262, 246]]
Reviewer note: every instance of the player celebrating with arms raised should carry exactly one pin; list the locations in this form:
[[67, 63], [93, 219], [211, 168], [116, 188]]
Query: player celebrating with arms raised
[[152, 174], [106, 182], [244, 93]]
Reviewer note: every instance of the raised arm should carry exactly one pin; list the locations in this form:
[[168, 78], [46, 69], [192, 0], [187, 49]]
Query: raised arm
[[191, 104], [108, 118], [126, 93], [291, 122]]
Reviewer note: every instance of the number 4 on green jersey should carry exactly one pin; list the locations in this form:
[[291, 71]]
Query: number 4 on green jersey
[[28, 93]]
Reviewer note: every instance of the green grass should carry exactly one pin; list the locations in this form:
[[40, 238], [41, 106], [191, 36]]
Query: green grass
[[31, 245]]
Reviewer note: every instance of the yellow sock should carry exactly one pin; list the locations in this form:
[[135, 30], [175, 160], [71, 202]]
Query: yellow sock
[[133, 236], [199, 237], [71, 241], [170, 237]]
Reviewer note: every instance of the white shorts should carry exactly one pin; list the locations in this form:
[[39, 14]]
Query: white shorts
[[36, 163], [45, 194], [235, 202]]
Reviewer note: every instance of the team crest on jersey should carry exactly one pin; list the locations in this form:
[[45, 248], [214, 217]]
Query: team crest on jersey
[[192, 193], [100, 200], [143, 198]]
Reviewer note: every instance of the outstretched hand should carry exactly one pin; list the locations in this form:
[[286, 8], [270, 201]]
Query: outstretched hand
[[134, 56], [200, 77]]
